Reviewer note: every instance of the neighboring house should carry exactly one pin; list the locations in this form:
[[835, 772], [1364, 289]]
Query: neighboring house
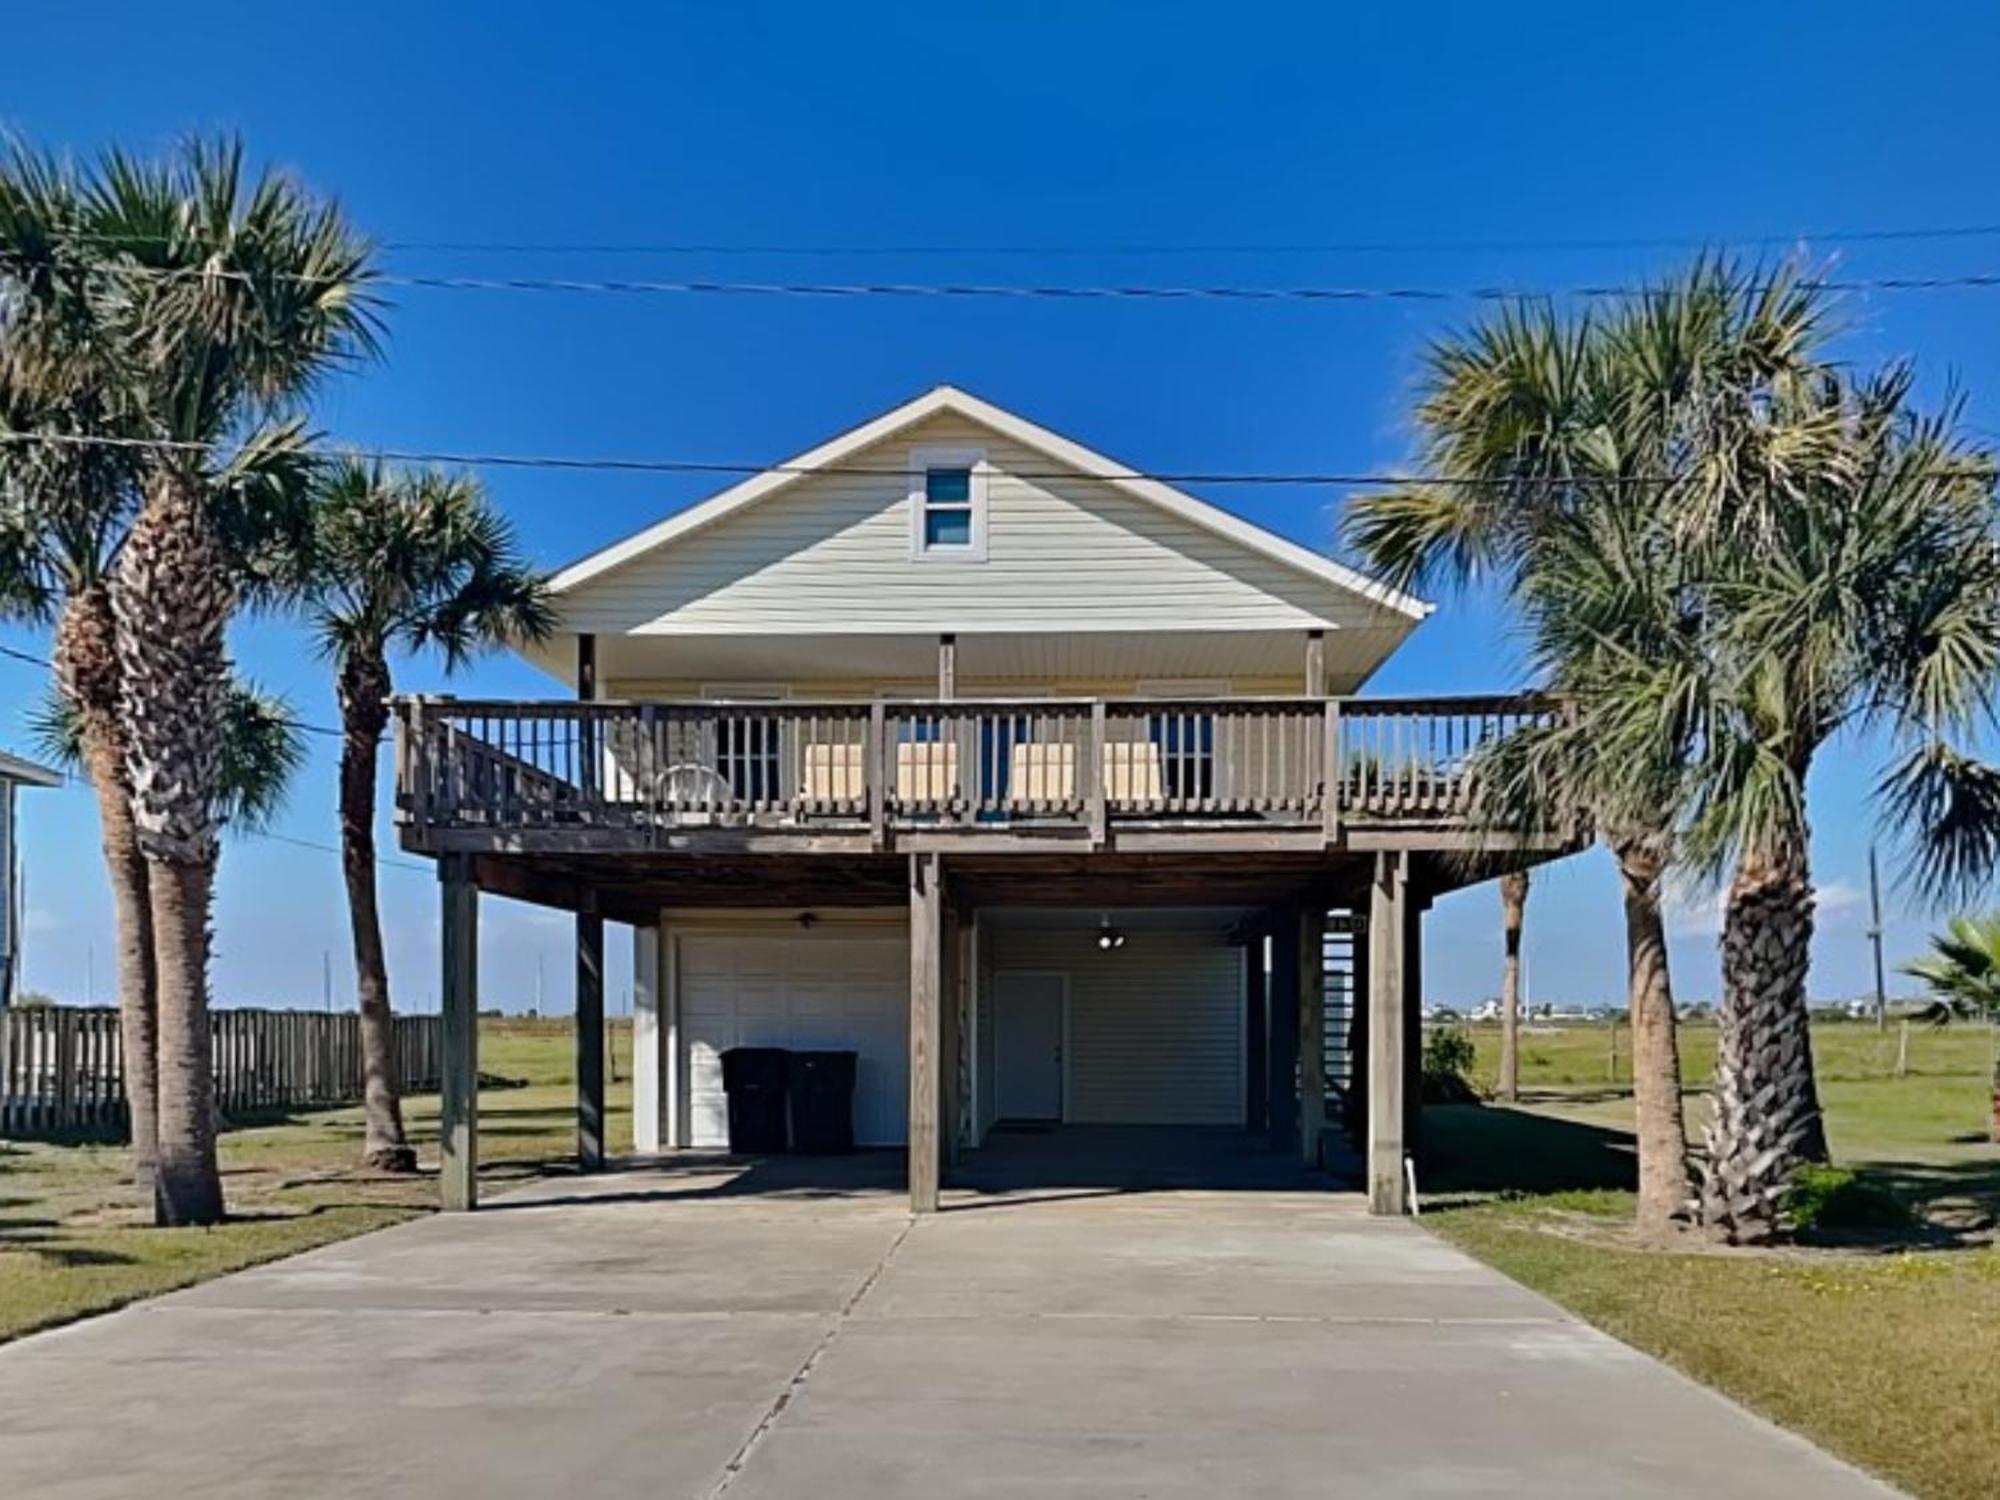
[[14, 773], [959, 745]]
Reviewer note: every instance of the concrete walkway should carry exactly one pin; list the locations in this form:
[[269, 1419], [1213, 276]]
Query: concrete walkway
[[697, 1330]]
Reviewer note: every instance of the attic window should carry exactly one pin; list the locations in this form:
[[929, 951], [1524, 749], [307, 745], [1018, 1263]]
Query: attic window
[[948, 504]]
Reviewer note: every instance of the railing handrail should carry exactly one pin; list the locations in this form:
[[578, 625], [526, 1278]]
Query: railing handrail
[[886, 765], [1404, 703]]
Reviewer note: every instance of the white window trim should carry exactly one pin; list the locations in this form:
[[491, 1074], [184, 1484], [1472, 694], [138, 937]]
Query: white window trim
[[922, 461]]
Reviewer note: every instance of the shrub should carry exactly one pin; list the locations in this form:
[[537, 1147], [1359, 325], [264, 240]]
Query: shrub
[[1447, 1067], [1836, 1198]]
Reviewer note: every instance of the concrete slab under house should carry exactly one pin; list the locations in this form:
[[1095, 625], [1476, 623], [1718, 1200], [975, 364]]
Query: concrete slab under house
[[1047, 789]]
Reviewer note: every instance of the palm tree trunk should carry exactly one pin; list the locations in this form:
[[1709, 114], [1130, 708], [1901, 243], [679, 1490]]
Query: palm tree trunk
[[189, 1183], [1656, 1062], [86, 654], [1766, 1122], [364, 692], [1513, 907], [172, 600], [1993, 1122]]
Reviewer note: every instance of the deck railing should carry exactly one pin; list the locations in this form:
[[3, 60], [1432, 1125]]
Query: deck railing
[[965, 764]]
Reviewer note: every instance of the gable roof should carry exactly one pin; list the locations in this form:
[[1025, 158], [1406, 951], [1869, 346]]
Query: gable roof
[[14, 768], [949, 399]]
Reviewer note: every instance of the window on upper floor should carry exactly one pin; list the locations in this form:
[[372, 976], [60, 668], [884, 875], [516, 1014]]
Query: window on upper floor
[[948, 504]]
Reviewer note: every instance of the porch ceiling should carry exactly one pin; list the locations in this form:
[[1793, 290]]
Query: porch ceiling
[[1026, 660]]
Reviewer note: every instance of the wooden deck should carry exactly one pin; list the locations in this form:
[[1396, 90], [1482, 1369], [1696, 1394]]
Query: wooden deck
[[966, 776]]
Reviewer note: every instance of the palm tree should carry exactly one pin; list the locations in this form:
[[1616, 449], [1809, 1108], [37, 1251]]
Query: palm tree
[[64, 511], [1513, 905], [232, 299], [398, 561], [1962, 974], [1861, 592], [263, 746], [1548, 438]]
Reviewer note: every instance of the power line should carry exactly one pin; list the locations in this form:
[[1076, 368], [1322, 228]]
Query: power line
[[72, 780], [380, 859], [475, 460], [967, 291], [49, 666], [1303, 247]]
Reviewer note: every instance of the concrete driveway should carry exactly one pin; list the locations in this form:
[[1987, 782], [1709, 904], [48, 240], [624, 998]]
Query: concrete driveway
[[697, 1330]]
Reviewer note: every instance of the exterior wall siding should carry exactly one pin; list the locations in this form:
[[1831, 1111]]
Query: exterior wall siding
[[833, 553], [1155, 1028]]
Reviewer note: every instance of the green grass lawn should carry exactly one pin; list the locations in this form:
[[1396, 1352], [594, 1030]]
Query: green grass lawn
[[76, 1239], [1886, 1352]]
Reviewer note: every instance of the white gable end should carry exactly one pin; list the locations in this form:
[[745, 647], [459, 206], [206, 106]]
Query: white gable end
[[831, 552]]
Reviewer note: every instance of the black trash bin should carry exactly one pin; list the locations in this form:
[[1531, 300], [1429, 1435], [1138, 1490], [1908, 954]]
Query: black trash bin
[[753, 1078], [822, 1090]]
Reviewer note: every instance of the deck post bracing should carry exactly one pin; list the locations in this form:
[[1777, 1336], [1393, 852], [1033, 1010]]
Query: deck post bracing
[[1388, 898], [926, 1030], [590, 1040], [458, 1122]]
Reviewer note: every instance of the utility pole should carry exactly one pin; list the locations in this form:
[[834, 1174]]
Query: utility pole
[[1875, 938]]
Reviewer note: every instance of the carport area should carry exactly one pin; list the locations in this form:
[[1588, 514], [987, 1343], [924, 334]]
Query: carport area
[[699, 1327]]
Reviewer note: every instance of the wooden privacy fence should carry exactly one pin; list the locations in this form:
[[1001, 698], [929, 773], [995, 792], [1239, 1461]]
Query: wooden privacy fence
[[63, 1067]]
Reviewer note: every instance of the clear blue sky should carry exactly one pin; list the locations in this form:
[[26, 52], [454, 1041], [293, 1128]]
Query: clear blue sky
[[1445, 129]]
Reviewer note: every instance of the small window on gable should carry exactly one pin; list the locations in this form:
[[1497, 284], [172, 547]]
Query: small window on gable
[[947, 507], [947, 498]]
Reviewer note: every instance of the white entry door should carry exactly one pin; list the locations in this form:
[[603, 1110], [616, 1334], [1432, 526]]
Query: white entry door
[[1028, 1045]]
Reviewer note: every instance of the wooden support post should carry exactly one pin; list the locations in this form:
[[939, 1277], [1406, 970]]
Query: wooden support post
[[1312, 1033], [1282, 1090], [947, 667], [877, 760], [1095, 793], [1387, 899], [590, 1040], [1415, 904], [1256, 1034], [1315, 663], [589, 773], [926, 1034], [458, 1109]]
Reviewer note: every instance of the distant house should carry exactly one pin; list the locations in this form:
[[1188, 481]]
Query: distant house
[[14, 772]]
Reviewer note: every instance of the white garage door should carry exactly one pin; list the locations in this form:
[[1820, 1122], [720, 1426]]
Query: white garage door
[[826, 989]]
